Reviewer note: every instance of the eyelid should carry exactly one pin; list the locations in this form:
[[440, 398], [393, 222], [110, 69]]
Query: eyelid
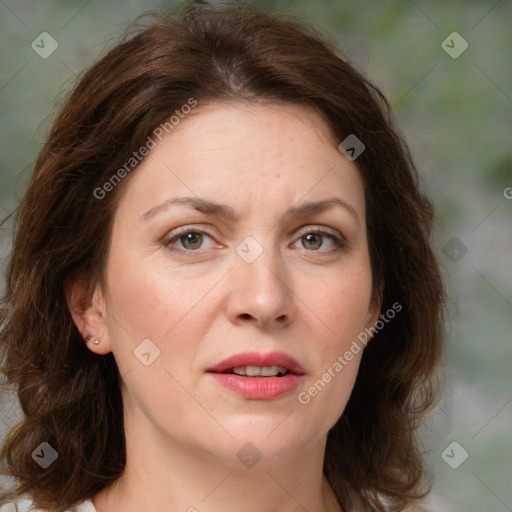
[[310, 228], [323, 230]]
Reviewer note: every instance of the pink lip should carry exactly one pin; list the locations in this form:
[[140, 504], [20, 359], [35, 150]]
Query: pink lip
[[258, 388], [258, 359]]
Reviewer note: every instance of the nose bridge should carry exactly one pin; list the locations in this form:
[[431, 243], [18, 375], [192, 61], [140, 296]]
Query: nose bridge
[[261, 287]]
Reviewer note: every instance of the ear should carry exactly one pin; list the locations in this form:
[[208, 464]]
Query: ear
[[374, 309], [86, 304]]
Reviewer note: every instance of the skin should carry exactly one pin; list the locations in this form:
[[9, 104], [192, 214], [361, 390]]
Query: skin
[[305, 297]]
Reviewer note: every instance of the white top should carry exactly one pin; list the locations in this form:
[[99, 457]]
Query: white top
[[25, 504]]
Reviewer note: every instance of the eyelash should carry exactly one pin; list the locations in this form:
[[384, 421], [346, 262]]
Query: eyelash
[[340, 243]]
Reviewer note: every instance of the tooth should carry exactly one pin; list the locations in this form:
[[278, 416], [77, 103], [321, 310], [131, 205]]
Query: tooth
[[252, 371], [259, 371], [269, 371]]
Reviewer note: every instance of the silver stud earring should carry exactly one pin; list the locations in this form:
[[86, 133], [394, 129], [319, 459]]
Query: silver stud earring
[[89, 338]]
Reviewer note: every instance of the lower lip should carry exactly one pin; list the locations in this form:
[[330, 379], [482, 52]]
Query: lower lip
[[258, 388]]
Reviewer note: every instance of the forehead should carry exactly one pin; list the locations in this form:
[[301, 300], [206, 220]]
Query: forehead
[[247, 152]]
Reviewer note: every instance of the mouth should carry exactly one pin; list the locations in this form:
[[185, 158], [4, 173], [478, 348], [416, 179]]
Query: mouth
[[256, 365], [256, 376], [258, 371]]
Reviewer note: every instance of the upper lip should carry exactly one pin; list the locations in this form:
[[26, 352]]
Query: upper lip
[[258, 359]]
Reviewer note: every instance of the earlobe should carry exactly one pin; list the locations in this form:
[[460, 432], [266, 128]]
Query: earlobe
[[86, 306]]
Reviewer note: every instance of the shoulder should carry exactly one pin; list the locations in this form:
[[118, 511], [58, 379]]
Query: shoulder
[[25, 504]]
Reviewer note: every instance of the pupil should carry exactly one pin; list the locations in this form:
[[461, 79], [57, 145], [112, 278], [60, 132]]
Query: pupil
[[194, 239], [318, 242]]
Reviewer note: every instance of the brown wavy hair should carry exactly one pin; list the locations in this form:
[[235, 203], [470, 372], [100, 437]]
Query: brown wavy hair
[[69, 396]]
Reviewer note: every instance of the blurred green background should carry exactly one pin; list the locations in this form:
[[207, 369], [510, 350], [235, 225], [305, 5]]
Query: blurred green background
[[456, 114]]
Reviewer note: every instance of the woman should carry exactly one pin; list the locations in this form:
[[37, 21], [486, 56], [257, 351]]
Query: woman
[[222, 294]]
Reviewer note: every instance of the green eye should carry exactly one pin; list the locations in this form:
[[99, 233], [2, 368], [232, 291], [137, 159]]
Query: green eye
[[190, 240], [313, 240]]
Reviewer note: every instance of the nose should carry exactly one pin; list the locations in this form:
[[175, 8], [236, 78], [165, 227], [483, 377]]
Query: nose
[[261, 292]]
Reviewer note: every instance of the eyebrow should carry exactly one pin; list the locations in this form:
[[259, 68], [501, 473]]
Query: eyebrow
[[222, 210]]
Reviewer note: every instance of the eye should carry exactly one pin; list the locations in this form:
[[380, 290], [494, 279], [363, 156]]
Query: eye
[[314, 239], [190, 239]]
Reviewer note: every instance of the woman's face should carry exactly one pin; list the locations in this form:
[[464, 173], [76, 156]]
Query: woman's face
[[269, 277]]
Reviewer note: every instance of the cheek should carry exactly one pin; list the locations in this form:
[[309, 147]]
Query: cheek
[[145, 303], [150, 300], [342, 309], [342, 304]]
